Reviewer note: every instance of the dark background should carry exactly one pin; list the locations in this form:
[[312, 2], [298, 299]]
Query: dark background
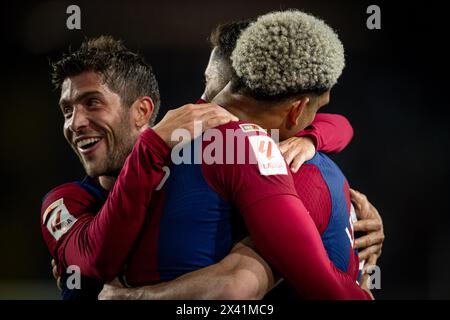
[[392, 90]]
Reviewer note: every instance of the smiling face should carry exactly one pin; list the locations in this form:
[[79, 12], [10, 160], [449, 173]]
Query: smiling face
[[96, 124]]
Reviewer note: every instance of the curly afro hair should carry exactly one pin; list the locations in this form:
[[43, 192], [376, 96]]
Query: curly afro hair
[[286, 53]]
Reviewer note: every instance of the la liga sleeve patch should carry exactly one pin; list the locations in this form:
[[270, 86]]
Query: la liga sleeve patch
[[269, 158], [58, 219]]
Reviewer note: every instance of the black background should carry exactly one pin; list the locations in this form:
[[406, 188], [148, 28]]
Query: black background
[[392, 90]]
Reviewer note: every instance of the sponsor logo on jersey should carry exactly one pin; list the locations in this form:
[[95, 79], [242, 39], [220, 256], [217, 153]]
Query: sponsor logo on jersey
[[58, 219], [250, 127], [269, 158]]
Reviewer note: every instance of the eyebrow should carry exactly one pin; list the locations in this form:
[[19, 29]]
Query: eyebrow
[[65, 102]]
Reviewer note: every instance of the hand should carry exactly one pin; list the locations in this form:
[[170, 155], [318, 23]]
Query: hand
[[369, 222], [297, 150], [188, 116], [56, 274], [371, 261], [113, 290]]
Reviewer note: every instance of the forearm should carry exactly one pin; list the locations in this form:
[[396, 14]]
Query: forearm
[[203, 284], [242, 275], [330, 132], [99, 245]]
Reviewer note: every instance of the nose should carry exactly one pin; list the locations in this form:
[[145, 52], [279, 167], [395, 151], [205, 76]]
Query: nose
[[79, 119]]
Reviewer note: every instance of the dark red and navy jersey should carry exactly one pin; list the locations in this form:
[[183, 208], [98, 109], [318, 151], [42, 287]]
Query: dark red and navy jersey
[[84, 228], [190, 227], [92, 196], [262, 192], [324, 190]]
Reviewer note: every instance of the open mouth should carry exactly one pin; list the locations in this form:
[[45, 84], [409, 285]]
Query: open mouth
[[88, 144]]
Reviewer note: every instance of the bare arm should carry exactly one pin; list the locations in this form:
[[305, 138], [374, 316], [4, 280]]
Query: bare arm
[[242, 275]]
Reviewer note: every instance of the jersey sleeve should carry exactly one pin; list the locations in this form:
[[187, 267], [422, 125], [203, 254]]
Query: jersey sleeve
[[251, 161], [99, 243], [331, 133], [278, 223]]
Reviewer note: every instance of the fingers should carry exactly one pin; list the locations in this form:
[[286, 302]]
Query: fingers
[[285, 145], [58, 283], [370, 251], [296, 151], [355, 194], [362, 205], [367, 225], [202, 112], [210, 121], [369, 240], [357, 197], [365, 277], [289, 155], [297, 162], [288, 150], [105, 294], [371, 261], [110, 292], [188, 116], [55, 272], [364, 209]]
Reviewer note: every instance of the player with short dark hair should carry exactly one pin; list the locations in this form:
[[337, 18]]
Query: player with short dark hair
[[94, 223], [123, 71]]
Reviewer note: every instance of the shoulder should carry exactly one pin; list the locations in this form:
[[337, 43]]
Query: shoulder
[[246, 128], [72, 195], [85, 189], [72, 190], [244, 145], [66, 189]]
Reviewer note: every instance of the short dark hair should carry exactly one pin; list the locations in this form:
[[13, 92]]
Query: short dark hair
[[124, 72], [225, 36]]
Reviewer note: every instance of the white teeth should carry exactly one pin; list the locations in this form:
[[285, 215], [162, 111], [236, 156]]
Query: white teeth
[[84, 142]]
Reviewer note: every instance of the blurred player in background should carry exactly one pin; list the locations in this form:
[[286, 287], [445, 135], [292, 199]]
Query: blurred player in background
[[109, 99]]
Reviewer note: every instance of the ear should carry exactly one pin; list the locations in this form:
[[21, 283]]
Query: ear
[[296, 110], [142, 110]]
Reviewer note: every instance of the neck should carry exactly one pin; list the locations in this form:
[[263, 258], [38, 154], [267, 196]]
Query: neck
[[107, 182], [249, 109]]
